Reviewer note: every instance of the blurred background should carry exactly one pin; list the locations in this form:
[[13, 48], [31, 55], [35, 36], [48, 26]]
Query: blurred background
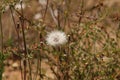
[[43, 16]]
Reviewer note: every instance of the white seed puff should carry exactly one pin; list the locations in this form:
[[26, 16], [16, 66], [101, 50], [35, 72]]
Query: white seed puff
[[56, 38]]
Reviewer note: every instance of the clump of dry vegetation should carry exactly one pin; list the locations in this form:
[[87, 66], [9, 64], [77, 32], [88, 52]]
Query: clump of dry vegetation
[[60, 40]]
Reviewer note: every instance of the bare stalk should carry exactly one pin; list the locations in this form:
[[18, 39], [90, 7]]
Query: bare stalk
[[45, 10], [18, 36], [58, 18], [52, 14], [24, 41], [1, 33], [14, 22], [81, 11]]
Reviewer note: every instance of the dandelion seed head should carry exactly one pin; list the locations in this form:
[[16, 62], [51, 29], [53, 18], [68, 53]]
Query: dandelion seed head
[[56, 38]]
